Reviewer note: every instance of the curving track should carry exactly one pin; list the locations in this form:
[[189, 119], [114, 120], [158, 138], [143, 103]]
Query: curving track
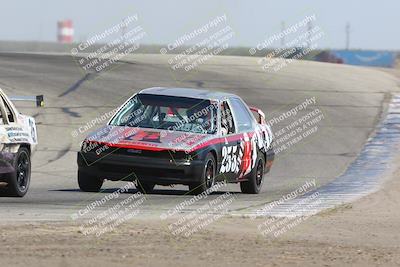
[[350, 98]]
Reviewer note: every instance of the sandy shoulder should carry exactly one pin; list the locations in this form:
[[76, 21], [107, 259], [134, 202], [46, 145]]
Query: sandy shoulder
[[364, 233]]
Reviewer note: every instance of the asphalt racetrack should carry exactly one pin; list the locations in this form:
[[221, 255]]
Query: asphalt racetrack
[[351, 100]]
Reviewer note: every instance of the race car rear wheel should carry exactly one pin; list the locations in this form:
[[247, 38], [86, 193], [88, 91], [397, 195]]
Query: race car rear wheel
[[255, 180], [89, 183], [145, 187], [208, 176], [18, 181]]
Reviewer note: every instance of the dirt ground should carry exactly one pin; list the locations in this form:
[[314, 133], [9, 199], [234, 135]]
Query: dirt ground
[[365, 233]]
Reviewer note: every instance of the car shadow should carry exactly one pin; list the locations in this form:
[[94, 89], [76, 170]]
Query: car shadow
[[176, 192]]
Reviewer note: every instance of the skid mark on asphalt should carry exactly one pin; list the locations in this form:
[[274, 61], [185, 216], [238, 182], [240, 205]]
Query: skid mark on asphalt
[[71, 113], [364, 176], [199, 84], [76, 85], [60, 154]]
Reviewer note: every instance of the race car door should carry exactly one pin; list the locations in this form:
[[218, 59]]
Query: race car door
[[245, 126], [230, 161]]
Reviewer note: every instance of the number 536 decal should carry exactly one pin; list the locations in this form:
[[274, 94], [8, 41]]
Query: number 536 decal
[[230, 159]]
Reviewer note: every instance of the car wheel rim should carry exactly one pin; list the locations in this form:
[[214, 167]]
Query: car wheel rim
[[23, 171], [209, 173], [259, 173]]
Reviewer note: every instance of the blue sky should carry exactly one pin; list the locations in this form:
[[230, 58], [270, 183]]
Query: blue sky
[[374, 24]]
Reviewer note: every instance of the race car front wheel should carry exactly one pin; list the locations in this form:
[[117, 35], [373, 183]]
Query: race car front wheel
[[89, 183], [208, 176], [18, 181], [255, 180]]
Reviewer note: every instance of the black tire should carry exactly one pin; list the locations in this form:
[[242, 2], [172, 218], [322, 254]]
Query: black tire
[[208, 176], [145, 187], [18, 181], [270, 158], [89, 183], [255, 180]]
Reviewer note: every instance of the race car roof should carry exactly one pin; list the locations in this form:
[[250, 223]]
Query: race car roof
[[187, 92]]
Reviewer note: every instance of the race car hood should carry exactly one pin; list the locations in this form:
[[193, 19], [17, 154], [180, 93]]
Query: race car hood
[[148, 139]]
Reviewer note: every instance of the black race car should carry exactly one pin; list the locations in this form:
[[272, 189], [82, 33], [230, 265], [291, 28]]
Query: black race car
[[184, 136]]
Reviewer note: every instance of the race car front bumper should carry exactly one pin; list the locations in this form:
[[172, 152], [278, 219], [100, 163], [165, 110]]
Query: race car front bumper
[[163, 171]]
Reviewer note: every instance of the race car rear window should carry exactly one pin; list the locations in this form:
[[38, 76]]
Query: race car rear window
[[168, 113]]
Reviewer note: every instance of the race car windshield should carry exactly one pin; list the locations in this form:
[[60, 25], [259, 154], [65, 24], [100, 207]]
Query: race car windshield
[[168, 113]]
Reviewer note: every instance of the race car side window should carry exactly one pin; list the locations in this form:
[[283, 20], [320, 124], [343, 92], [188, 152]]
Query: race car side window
[[9, 114], [227, 122], [242, 115]]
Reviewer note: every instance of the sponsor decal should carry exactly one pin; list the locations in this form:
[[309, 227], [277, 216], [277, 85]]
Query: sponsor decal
[[145, 136], [17, 134], [230, 159], [242, 158], [246, 148], [32, 127]]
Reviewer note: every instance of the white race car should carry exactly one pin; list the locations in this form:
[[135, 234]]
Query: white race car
[[18, 137]]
